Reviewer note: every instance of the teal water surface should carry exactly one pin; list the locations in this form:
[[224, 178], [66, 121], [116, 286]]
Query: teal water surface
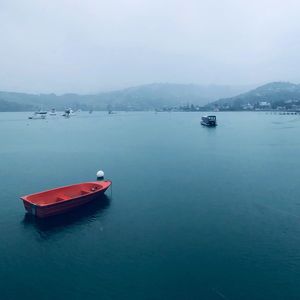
[[194, 212]]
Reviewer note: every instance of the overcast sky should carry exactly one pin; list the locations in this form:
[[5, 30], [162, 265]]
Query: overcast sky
[[93, 45]]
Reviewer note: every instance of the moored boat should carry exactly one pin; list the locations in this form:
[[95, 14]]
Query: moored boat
[[68, 113], [63, 199], [53, 112], [38, 115], [210, 121]]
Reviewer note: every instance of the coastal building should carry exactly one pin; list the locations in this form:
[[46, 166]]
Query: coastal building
[[264, 104], [248, 106]]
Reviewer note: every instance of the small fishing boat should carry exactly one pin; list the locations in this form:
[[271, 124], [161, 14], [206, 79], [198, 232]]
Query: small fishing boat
[[53, 112], [38, 115], [110, 110], [63, 199], [210, 121], [68, 113]]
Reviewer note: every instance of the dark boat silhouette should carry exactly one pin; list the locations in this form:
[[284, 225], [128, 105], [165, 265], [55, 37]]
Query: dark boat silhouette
[[210, 121]]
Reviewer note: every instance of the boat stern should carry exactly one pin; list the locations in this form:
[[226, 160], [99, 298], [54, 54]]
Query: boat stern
[[29, 207]]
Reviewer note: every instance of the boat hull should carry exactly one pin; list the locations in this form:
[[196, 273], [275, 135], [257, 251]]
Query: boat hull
[[42, 117], [208, 124], [63, 206]]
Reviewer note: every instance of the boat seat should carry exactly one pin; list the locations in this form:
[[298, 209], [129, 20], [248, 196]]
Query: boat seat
[[84, 192], [62, 197], [94, 188]]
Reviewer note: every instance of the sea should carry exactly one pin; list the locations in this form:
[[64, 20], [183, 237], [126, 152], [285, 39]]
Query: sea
[[193, 212]]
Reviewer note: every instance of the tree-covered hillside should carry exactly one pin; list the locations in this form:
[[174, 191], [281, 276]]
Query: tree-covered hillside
[[277, 94], [145, 97]]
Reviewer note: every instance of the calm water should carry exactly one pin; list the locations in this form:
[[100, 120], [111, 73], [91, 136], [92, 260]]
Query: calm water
[[195, 213]]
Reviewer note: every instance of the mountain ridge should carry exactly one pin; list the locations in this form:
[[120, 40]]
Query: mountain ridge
[[142, 97], [276, 94]]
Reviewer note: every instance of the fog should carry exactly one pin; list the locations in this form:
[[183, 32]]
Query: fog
[[89, 46]]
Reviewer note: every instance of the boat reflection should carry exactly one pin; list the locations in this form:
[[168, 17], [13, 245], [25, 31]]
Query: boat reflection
[[81, 215]]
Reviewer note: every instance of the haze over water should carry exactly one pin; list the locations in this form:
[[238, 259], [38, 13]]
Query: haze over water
[[65, 46], [194, 213]]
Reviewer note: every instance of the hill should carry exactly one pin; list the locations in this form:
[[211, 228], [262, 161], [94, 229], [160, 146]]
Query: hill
[[7, 106], [274, 95], [144, 97], [159, 95]]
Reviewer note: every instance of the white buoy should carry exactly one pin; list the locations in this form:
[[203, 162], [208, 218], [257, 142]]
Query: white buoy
[[100, 175]]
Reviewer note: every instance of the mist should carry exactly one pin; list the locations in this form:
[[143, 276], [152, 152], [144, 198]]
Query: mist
[[91, 46]]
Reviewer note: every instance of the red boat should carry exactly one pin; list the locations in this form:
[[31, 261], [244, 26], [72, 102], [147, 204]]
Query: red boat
[[63, 199]]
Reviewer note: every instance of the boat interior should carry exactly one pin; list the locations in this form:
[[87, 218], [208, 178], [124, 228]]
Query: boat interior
[[63, 193]]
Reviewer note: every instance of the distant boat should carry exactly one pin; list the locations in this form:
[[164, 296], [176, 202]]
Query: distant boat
[[38, 115], [109, 110], [210, 121], [63, 199], [52, 112], [90, 111], [68, 113]]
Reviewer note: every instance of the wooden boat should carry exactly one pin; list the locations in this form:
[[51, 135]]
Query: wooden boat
[[63, 199]]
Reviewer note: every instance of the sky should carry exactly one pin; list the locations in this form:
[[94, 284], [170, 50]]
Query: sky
[[90, 46]]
